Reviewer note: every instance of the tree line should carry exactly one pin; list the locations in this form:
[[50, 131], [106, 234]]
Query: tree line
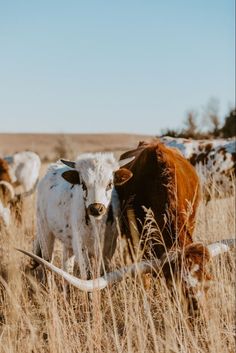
[[211, 126]]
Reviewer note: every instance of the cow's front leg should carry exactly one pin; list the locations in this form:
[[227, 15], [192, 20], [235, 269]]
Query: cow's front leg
[[96, 248], [81, 267], [43, 247], [68, 259], [80, 247], [68, 263]]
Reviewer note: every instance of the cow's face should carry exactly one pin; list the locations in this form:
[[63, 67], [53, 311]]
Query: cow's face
[[96, 175]]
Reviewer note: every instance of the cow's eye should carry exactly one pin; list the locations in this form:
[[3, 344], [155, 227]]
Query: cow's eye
[[109, 186]]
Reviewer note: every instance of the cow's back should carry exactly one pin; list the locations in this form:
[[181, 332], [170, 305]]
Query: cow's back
[[165, 182], [25, 169]]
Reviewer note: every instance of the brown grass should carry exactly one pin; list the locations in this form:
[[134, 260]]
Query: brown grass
[[50, 146], [124, 318]]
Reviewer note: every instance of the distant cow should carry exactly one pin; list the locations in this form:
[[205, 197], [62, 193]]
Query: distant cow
[[72, 206], [20, 169], [214, 160], [23, 169]]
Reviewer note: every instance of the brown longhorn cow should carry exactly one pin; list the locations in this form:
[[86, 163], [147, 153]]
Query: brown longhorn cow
[[166, 183]]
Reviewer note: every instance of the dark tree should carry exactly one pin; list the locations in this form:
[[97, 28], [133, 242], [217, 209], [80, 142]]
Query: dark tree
[[229, 127]]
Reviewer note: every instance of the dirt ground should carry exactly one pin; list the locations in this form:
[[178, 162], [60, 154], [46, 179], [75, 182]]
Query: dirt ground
[[47, 145]]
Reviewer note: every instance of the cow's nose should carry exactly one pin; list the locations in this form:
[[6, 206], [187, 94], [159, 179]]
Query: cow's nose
[[96, 209]]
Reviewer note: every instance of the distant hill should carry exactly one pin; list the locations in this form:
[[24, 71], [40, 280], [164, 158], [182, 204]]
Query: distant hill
[[46, 145]]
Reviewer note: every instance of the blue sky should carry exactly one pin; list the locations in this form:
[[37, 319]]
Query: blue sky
[[113, 66]]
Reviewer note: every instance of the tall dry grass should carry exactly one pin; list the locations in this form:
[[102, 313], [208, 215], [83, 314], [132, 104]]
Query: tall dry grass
[[124, 318]]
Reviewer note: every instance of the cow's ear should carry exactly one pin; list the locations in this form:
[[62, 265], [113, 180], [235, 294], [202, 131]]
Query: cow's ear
[[121, 176], [72, 176]]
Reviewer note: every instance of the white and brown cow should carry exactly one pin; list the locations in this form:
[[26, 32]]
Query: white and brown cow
[[23, 169], [20, 169], [214, 160], [73, 202]]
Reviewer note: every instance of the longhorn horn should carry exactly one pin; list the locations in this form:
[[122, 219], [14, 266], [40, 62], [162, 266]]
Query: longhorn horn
[[100, 282], [68, 163], [27, 193], [9, 187], [125, 161], [221, 246]]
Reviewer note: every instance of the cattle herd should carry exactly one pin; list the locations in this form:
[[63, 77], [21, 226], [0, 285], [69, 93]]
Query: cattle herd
[[91, 203]]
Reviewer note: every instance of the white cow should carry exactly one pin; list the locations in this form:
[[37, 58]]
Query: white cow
[[20, 169], [214, 160], [73, 205], [24, 168], [190, 147]]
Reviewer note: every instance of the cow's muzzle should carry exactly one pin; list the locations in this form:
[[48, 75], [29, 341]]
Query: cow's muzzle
[[96, 209]]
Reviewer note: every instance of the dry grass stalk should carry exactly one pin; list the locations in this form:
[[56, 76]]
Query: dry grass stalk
[[124, 318]]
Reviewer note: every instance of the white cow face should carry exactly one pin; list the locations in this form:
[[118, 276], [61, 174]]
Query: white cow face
[[96, 174]]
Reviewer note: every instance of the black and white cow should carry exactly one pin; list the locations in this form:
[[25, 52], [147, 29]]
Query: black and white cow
[[73, 206]]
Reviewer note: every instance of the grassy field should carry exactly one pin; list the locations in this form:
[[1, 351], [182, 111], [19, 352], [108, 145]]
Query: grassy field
[[123, 318], [48, 146]]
